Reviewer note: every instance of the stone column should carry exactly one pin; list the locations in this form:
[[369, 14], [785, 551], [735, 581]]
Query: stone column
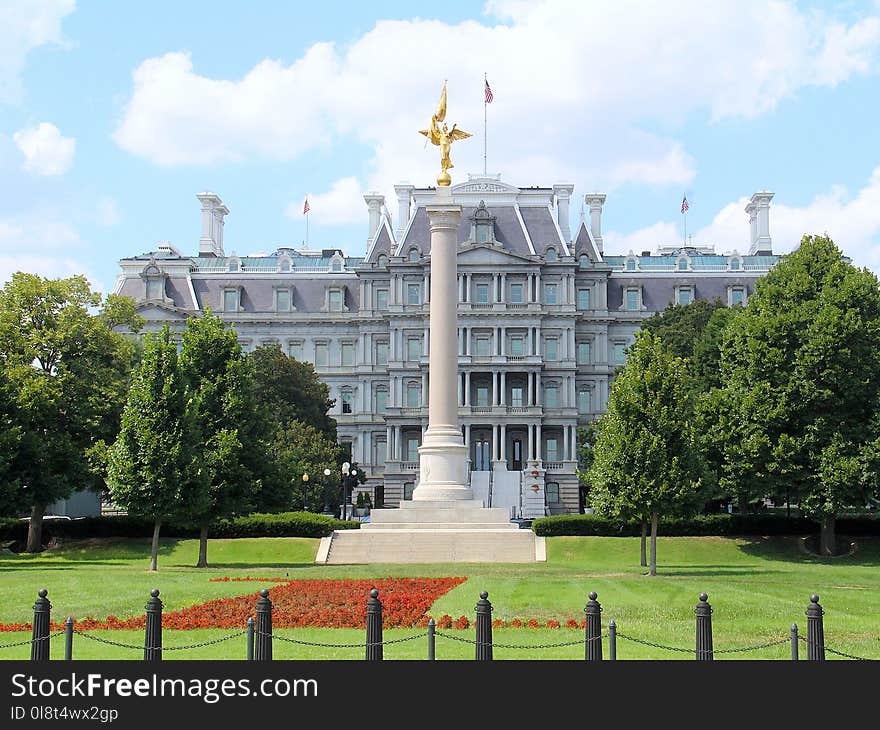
[[443, 474]]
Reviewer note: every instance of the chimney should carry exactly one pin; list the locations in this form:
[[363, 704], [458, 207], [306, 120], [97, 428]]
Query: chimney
[[596, 201], [759, 219], [213, 213], [374, 206], [563, 198], [404, 195]]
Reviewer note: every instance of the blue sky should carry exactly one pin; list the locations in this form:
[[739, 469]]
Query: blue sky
[[114, 115]]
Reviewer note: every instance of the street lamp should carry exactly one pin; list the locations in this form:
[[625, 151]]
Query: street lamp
[[326, 504], [347, 472]]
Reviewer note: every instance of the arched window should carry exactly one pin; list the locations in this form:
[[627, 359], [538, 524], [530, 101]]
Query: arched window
[[630, 264], [232, 264], [336, 264], [551, 254], [683, 263], [382, 260], [413, 255], [284, 264], [584, 261]]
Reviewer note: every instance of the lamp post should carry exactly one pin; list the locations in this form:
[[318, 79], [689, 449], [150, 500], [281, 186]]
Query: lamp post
[[347, 473], [326, 475], [305, 480]]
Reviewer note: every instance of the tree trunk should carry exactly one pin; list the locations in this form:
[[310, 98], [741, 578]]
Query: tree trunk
[[827, 536], [35, 529], [655, 520], [644, 555], [154, 548], [203, 547]]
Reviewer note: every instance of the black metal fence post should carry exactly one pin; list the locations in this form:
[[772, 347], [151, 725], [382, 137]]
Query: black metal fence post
[[68, 638], [263, 647], [432, 639], [704, 629], [612, 641], [815, 630], [153, 630], [484, 628], [374, 627], [794, 642], [42, 621], [593, 629], [250, 638]]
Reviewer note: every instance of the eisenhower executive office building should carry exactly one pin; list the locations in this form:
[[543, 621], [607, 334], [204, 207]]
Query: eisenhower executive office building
[[544, 317]]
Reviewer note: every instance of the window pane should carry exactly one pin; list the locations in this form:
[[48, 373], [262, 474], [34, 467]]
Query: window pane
[[549, 293], [551, 349], [381, 353], [584, 404], [412, 396], [381, 299], [482, 294], [483, 347], [632, 299], [381, 401], [412, 294], [682, 265], [551, 452], [381, 451], [516, 293], [583, 298], [552, 491], [584, 260], [335, 301], [230, 301], [737, 296], [412, 449], [734, 264], [516, 396], [630, 265], [296, 350], [282, 302], [347, 353], [320, 354], [551, 396], [408, 489], [346, 402], [482, 396], [551, 254], [413, 349], [154, 288], [516, 346], [619, 353], [414, 254], [685, 296], [583, 353]]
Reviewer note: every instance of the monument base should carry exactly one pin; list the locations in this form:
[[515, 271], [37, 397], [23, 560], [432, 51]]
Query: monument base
[[443, 467]]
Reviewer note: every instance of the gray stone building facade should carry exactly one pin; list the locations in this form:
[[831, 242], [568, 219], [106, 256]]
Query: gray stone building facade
[[544, 318]]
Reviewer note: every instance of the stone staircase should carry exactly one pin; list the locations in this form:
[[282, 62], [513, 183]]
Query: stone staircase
[[434, 532]]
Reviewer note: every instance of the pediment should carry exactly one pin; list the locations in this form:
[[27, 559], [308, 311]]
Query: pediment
[[486, 185], [154, 312], [490, 255]]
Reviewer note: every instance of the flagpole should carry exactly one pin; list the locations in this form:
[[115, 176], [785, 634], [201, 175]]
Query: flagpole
[[307, 228], [485, 104]]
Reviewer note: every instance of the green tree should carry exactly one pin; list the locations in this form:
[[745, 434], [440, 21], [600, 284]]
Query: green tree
[[69, 372], [302, 449], [801, 385], [154, 468], [290, 390], [10, 438], [681, 326], [646, 459], [220, 383]]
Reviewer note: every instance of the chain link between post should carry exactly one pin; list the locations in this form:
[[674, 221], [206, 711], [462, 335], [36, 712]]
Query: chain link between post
[[579, 642], [32, 641], [123, 645]]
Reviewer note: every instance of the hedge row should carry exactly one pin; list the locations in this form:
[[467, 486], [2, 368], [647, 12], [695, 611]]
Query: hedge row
[[284, 524], [720, 524]]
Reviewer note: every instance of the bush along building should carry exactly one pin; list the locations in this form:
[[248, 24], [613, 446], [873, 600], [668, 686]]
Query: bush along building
[[544, 318]]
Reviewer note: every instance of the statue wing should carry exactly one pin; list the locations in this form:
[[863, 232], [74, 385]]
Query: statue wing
[[457, 134], [431, 134]]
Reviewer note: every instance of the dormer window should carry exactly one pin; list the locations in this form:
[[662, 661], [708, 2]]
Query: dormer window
[[381, 261], [683, 263], [335, 300], [734, 263], [336, 263], [483, 224], [283, 300], [154, 282], [584, 261], [155, 288], [231, 299], [413, 256], [233, 264], [631, 264], [284, 264], [551, 255]]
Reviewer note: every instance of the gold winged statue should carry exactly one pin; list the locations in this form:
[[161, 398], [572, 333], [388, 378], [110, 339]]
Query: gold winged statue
[[443, 137]]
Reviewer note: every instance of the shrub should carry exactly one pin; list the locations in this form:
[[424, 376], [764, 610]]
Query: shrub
[[716, 524]]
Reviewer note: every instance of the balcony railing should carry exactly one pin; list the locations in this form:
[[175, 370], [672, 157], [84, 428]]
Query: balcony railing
[[552, 465], [409, 466]]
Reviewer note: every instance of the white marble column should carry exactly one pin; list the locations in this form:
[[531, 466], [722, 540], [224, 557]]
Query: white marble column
[[443, 474]]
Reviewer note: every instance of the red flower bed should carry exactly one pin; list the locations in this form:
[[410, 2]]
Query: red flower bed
[[297, 603]]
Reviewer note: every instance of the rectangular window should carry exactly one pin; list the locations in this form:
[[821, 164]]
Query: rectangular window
[[482, 294], [737, 295], [483, 347], [412, 396], [516, 396], [551, 396], [551, 489], [381, 451], [348, 354], [413, 294], [381, 353], [550, 294], [335, 300], [551, 451], [320, 354], [632, 299], [583, 299], [619, 353], [685, 296], [413, 349], [516, 293], [584, 401], [230, 300], [482, 396], [346, 402], [516, 346], [295, 350], [583, 353], [412, 449], [154, 288], [282, 300], [551, 349], [381, 401], [382, 299], [408, 489]]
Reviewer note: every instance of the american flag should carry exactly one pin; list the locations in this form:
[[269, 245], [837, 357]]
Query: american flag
[[684, 205], [489, 94], [306, 205]]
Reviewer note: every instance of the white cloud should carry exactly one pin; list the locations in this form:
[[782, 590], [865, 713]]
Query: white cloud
[[851, 221], [26, 26], [45, 151], [37, 246], [107, 212], [578, 82], [341, 205]]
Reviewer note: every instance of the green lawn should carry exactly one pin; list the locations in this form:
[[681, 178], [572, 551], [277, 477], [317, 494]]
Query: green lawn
[[757, 587]]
